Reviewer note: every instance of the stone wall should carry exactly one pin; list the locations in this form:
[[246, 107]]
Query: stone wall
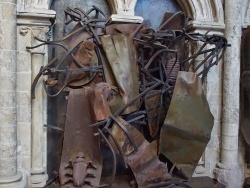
[[23, 155]]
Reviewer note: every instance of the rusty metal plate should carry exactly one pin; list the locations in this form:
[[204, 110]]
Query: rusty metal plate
[[144, 162], [81, 161], [156, 113], [121, 70], [126, 29], [188, 124]]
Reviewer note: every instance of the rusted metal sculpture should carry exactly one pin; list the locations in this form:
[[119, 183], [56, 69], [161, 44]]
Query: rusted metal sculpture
[[121, 83]]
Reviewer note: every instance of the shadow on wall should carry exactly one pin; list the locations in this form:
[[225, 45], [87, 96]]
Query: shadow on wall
[[152, 12]]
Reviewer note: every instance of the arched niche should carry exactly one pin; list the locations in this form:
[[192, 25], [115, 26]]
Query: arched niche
[[147, 8], [205, 14]]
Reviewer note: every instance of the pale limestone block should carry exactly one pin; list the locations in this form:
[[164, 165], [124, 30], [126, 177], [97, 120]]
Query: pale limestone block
[[9, 1], [19, 158], [210, 168], [230, 116], [7, 116], [7, 81], [23, 40], [230, 129], [20, 5], [230, 143], [216, 131], [231, 86], [123, 11], [36, 4], [23, 98], [23, 114], [212, 155], [234, 51], [23, 62], [8, 11], [9, 32], [214, 99], [24, 138], [233, 31], [232, 99], [8, 61], [229, 156], [1, 10], [8, 149], [8, 166], [214, 142], [7, 98], [24, 82], [216, 111], [6, 132], [25, 162], [231, 178]]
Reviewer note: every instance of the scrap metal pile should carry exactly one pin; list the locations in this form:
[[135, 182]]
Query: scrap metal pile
[[131, 95]]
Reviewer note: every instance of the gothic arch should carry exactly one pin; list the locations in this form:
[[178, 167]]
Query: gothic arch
[[208, 10]]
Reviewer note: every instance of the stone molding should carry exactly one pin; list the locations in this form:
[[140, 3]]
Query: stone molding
[[123, 11], [205, 10], [31, 5], [246, 14]]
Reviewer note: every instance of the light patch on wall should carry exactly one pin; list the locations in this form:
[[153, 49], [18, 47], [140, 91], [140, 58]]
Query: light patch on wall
[[153, 11]]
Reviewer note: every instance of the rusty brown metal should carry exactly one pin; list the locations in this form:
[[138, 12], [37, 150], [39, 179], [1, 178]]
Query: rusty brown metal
[[126, 29], [136, 89], [156, 112], [144, 162], [121, 70], [188, 124], [81, 155]]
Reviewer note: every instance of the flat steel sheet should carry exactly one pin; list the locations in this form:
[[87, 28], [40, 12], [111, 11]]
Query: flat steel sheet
[[121, 70], [188, 124]]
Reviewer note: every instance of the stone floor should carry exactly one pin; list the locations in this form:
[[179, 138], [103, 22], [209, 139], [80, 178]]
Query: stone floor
[[125, 182]]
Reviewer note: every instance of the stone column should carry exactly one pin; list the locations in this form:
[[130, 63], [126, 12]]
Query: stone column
[[9, 176], [230, 172], [33, 20], [123, 11], [39, 105]]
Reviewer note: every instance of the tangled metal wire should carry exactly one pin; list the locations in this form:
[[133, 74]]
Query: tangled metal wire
[[156, 74]]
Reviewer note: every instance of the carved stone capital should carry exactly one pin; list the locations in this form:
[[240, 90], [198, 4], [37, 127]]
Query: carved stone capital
[[123, 11], [23, 30]]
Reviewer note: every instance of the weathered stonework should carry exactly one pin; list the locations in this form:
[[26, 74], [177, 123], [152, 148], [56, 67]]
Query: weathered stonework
[[123, 11], [20, 117], [9, 174], [32, 20]]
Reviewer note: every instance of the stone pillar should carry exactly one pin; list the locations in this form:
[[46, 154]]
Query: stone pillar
[[39, 106], [9, 175], [229, 171], [33, 20], [123, 11]]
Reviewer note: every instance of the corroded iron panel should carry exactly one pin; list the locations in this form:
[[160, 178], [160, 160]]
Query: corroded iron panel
[[188, 124]]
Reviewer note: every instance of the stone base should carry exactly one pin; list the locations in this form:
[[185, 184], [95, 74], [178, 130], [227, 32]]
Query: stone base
[[38, 178], [17, 181], [124, 19], [230, 175]]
